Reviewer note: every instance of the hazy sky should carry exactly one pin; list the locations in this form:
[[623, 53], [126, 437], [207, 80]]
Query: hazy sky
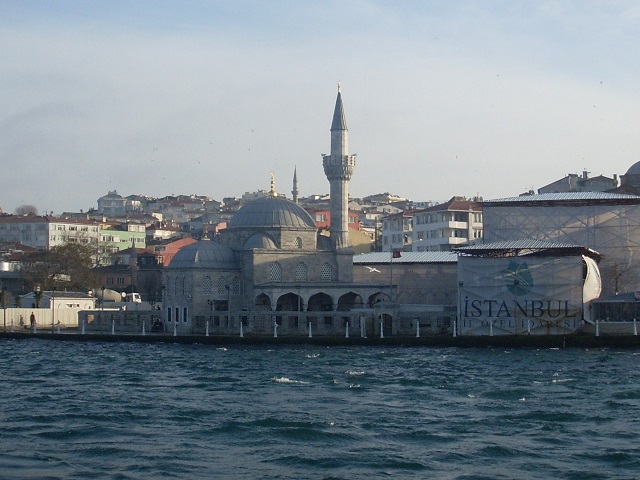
[[207, 97]]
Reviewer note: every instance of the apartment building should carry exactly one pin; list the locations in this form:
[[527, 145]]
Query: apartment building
[[447, 225], [397, 232], [120, 236], [44, 232]]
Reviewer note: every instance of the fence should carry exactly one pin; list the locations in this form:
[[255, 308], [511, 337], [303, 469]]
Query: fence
[[20, 318]]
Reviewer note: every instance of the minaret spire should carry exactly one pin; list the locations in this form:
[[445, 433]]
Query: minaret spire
[[338, 167], [294, 192]]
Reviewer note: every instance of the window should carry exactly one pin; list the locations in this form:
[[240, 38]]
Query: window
[[298, 242], [301, 272], [276, 272], [222, 286], [236, 286], [206, 285], [325, 272]]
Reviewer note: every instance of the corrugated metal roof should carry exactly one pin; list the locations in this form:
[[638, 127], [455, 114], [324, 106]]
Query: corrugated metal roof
[[406, 257], [527, 243], [525, 246], [567, 197]]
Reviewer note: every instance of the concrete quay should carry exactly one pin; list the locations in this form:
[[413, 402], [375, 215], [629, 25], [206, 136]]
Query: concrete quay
[[502, 341]]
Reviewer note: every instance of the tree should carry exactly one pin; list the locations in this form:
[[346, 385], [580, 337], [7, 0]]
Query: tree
[[26, 210], [65, 266]]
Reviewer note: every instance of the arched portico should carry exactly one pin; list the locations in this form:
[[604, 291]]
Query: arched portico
[[320, 302], [290, 302], [349, 301], [379, 298], [262, 303]]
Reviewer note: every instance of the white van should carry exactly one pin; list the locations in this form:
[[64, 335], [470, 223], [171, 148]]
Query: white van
[[132, 298]]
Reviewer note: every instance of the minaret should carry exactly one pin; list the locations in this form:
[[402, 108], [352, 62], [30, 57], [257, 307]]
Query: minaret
[[294, 192], [338, 167]]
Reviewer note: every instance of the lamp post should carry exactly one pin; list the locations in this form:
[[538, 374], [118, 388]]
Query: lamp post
[[101, 304], [459, 317], [53, 307], [228, 306], [4, 306]]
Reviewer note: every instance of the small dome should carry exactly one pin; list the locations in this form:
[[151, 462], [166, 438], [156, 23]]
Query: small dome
[[204, 254], [270, 212], [260, 240], [634, 169]]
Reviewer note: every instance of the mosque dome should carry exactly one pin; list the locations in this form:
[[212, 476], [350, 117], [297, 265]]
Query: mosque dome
[[204, 254], [272, 212], [634, 169]]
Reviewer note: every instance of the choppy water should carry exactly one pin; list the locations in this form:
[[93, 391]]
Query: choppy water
[[140, 411]]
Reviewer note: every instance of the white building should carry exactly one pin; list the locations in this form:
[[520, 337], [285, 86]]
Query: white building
[[397, 232], [111, 204], [447, 225], [44, 232]]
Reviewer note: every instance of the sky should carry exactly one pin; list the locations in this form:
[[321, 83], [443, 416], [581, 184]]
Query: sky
[[490, 98]]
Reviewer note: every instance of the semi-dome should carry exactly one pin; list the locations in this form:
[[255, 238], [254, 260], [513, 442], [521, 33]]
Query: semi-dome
[[260, 240], [272, 212], [204, 254]]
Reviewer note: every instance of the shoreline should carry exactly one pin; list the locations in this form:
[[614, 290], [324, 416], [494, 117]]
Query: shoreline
[[502, 341]]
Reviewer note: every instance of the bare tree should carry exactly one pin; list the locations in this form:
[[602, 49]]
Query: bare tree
[[26, 210], [69, 265]]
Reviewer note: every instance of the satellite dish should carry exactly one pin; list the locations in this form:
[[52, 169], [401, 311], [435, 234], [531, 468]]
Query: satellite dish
[[123, 294]]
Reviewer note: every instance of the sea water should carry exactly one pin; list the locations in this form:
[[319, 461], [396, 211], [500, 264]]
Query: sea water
[[83, 410]]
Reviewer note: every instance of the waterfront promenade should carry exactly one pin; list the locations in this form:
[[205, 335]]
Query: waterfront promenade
[[499, 341]]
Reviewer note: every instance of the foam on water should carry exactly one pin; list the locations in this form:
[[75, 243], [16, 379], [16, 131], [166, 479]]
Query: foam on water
[[146, 411]]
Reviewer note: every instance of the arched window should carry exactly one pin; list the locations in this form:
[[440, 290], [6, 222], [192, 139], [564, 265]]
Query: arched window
[[276, 272], [301, 272], [222, 285], [325, 272], [236, 286], [298, 242], [176, 285], [206, 285], [184, 281]]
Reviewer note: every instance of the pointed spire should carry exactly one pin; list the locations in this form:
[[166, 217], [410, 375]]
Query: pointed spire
[[339, 121], [294, 192]]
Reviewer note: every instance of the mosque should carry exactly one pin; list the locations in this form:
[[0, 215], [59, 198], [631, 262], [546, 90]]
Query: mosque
[[270, 271]]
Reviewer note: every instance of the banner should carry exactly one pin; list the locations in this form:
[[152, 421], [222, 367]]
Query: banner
[[522, 295]]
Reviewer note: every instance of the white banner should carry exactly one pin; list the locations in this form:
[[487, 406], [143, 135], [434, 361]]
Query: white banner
[[520, 295]]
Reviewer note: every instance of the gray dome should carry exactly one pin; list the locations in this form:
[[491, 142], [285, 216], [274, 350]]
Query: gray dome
[[270, 212], [204, 254], [634, 169], [260, 240]]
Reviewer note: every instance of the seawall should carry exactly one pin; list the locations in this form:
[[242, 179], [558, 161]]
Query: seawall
[[503, 341]]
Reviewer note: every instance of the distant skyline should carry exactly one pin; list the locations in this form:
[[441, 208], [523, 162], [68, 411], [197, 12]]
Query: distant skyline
[[488, 98]]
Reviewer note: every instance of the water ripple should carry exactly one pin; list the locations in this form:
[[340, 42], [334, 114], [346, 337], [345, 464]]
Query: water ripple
[[127, 411]]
